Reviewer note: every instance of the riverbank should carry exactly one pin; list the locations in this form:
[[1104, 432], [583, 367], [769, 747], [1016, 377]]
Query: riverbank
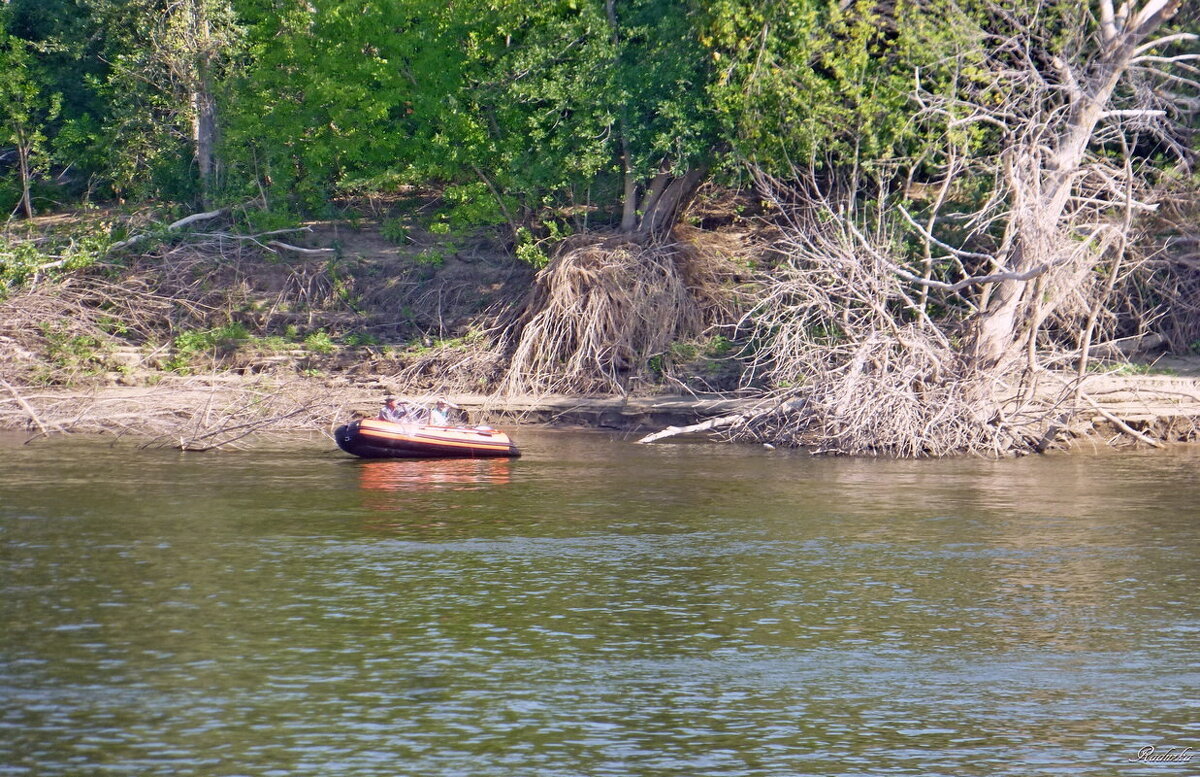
[[218, 406], [202, 340], [205, 412]]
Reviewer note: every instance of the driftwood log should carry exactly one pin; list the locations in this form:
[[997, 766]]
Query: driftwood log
[[704, 426]]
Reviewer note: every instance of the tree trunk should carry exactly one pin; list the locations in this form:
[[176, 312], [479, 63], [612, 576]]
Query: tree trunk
[[629, 195], [1042, 185], [668, 199], [26, 176], [204, 103], [204, 134], [199, 63]]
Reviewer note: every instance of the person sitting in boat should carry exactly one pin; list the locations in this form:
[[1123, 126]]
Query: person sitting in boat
[[397, 414], [440, 414], [451, 414]]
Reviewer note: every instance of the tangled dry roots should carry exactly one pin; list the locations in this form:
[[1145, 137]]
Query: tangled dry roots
[[895, 395], [852, 376], [597, 313]]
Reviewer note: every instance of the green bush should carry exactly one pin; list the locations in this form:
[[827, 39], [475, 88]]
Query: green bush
[[434, 257], [259, 220], [472, 205], [52, 256], [320, 342], [358, 339], [78, 353], [394, 230], [216, 342], [528, 250]]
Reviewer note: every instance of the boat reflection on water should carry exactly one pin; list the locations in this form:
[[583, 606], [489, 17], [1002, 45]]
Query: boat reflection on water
[[382, 476], [389, 488]]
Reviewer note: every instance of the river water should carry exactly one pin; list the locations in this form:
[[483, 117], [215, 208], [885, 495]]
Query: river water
[[595, 608]]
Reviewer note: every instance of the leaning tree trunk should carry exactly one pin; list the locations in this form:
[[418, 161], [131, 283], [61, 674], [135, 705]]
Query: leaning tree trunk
[[667, 199], [1039, 260], [26, 173], [651, 216]]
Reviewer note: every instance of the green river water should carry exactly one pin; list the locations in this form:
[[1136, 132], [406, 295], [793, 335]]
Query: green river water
[[595, 608]]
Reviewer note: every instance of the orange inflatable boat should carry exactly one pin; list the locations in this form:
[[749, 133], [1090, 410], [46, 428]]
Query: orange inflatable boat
[[375, 439]]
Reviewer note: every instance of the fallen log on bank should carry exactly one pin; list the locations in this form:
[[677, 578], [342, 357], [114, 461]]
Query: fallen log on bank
[[704, 426]]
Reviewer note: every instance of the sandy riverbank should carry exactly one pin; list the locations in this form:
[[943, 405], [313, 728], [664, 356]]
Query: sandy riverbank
[[210, 411], [221, 408]]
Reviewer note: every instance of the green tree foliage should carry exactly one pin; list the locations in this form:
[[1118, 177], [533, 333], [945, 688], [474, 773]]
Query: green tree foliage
[[342, 94], [511, 105], [818, 80], [135, 76], [535, 98], [167, 61], [588, 100], [519, 112], [25, 111], [66, 53]]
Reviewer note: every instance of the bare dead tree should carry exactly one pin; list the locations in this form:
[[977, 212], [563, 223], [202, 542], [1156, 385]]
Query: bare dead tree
[[1054, 110], [874, 349], [858, 364]]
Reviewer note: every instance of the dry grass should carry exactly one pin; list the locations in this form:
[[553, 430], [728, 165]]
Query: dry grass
[[605, 306], [465, 365], [47, 331]]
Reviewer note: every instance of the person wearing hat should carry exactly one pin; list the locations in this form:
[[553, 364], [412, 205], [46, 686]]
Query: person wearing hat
[[392, 412], [440, 415]]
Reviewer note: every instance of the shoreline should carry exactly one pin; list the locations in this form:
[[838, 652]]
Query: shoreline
[[209, 411], [218, 407]]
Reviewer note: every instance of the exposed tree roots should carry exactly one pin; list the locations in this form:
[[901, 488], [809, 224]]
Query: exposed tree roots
[[604, 307], [860, 366], [897, 394]]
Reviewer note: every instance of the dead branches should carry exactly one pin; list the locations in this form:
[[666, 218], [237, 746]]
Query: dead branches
[[229, 416], [466, 365], [189, 414], [839, 330], [895, 352], [24, 403], [1066, 108], [174, 226]]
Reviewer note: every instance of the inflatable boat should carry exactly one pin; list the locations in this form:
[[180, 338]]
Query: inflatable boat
[[375, 439]]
